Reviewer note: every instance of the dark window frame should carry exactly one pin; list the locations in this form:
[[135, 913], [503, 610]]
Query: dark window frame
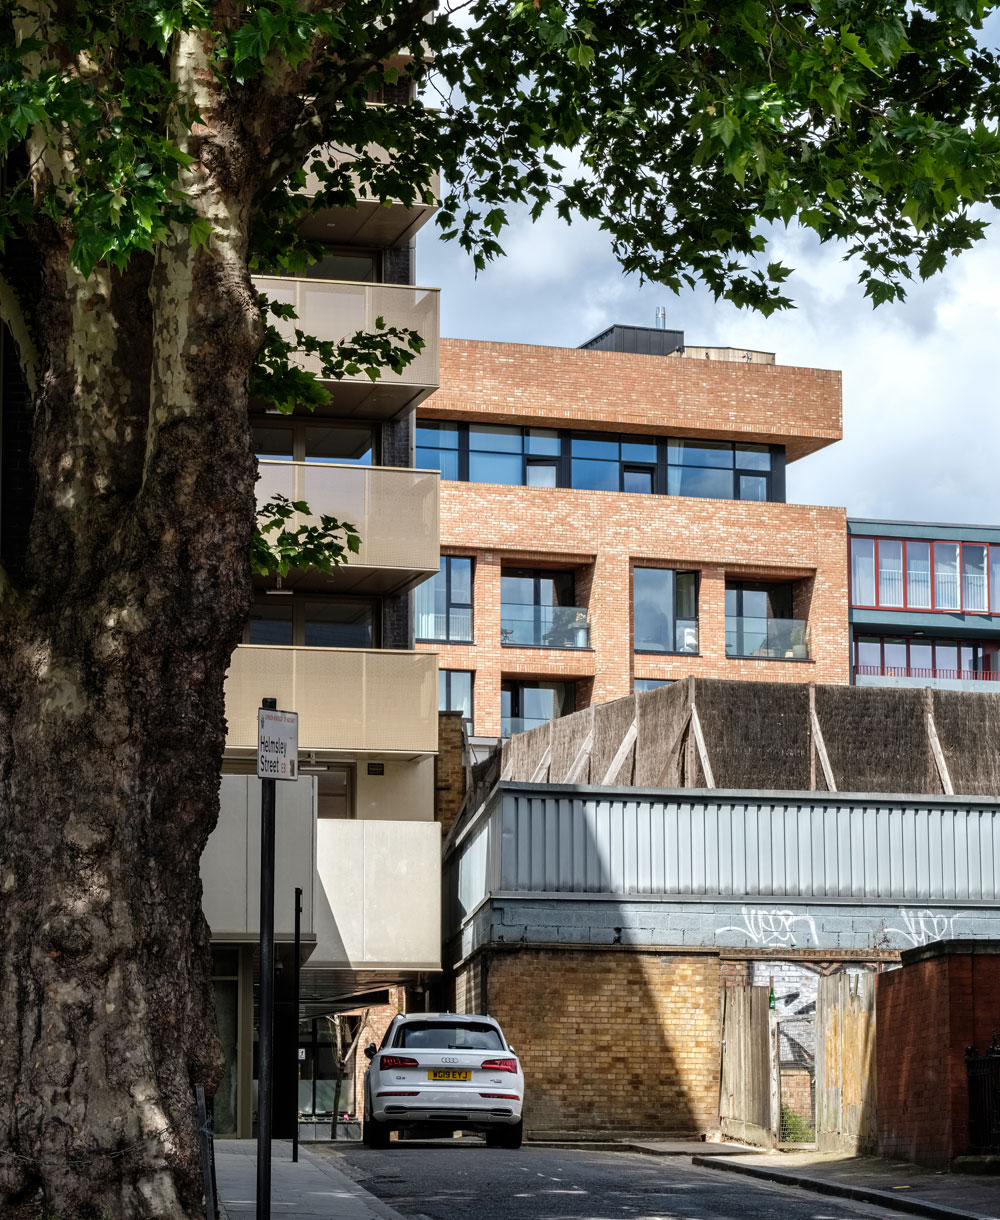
[[933, 642], [469, 720], [674, 652], [659, 470], [450, 604]]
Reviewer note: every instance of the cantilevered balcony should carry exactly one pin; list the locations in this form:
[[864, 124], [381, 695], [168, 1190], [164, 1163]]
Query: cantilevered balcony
[[986, 681], [335, 310], [349, 700], [372, 222], [394, 509]]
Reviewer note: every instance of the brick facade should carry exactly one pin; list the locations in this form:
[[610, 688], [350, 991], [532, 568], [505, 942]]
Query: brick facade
[[603, 535], [944, 998], [449, 770], [610, 1040]]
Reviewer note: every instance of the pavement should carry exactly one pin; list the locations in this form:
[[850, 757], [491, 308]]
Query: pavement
[[316, 1189], [893, 1184], [313, 1189]]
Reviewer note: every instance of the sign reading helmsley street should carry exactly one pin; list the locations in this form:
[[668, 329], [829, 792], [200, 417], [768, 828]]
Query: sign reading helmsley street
[[277, 744]]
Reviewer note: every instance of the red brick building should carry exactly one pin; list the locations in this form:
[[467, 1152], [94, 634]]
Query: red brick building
[[612, 520]]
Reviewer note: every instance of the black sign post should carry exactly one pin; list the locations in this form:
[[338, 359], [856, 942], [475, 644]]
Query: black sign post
[[265, 1071], [296, 967]]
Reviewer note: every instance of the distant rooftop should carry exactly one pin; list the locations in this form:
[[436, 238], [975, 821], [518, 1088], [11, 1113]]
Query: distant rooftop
[[657, 341]]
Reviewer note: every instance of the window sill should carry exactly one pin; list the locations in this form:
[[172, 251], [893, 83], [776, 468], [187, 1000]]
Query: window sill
[[738, 656], [421, 640], [547, 647], [657, 652]]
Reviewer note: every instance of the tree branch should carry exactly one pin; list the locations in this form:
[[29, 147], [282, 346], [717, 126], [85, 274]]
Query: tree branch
[[310, 130], [14, 316]]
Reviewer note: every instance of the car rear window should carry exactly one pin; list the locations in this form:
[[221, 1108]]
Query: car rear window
[[444, 1036]]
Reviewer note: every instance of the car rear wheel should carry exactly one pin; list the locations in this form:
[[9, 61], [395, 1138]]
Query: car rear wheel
[[375, 1134], [505, 1137]]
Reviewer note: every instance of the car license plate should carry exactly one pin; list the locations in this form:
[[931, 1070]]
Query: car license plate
[[448, 1074]]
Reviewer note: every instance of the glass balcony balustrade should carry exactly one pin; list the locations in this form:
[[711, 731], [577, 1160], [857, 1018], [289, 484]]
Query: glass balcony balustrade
[[775, 639], [530, 626], [509, 725]]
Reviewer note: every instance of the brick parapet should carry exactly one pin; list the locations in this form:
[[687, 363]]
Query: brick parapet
[[557, 387]]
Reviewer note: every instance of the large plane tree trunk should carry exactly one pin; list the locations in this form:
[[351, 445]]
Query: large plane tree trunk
[[114, 642]]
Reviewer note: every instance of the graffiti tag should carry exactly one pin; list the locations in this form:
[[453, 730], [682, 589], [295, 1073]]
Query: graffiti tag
[[770, 926], [924, 927]]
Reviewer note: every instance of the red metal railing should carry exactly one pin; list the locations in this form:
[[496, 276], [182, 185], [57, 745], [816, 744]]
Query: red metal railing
[[906, 671]]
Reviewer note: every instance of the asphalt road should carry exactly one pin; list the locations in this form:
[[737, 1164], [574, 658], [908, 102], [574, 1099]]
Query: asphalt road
[[464, 1180]]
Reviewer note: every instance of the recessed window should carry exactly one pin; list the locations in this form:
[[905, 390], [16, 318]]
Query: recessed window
[[271, 623], [537, 610], [332, 622], [640, 685], [437, 448], [443, 605], [759, 622], [526, 705], [296, 441], [665, 610], [335, 793]]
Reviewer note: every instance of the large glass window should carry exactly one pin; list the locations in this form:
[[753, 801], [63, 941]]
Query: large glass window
[[759, 622], [863, 571], [947, 593], [915, 574], [890, 572], [925, 658], [975, 593], [664, 610], [918, 575], [597, 461], [526, 705], [443, 605], [641, 685], [338, 624], [344, 622], [293, 440], [455, 693], [537, 610], [438, 448]]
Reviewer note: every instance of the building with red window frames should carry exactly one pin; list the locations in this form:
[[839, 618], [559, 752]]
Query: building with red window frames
[[924, 604]]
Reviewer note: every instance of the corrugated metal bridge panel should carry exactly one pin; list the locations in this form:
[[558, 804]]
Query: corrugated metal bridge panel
[[868, 848]]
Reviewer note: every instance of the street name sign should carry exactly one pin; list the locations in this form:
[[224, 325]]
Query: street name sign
[[277, 744]]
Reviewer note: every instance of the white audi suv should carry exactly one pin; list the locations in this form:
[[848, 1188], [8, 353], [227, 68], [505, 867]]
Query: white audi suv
[[441, 1072]]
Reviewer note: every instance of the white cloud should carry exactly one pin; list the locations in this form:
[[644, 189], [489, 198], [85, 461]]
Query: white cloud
[[921, 425]]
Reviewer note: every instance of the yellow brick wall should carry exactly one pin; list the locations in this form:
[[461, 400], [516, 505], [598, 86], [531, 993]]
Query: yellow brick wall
[[610, 1040]]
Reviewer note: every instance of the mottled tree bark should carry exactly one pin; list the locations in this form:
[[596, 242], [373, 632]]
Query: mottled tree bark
[[114, 647]]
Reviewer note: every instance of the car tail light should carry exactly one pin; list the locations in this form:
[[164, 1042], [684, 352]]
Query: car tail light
[[507, 1096], [397, 1061], [499, 1065]]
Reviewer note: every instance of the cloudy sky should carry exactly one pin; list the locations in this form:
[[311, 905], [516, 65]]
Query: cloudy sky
[[921, 380]]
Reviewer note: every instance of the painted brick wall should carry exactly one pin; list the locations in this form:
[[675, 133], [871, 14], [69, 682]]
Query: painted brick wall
[[939, 1002], [562, 387], [604, 535], [610, 1040]]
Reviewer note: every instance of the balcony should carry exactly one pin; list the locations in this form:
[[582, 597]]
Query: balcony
[[769, 639], [941, 679], [336, 309], [509, 725], [530, 626], [394, 509], [378, 903], [372, 222], [349, 700]]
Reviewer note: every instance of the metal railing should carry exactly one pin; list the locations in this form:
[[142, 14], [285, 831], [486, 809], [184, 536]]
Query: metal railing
[[395, 510], [919, 671], [784, 639], [984, 1099], [530, 626], [335, 310]]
